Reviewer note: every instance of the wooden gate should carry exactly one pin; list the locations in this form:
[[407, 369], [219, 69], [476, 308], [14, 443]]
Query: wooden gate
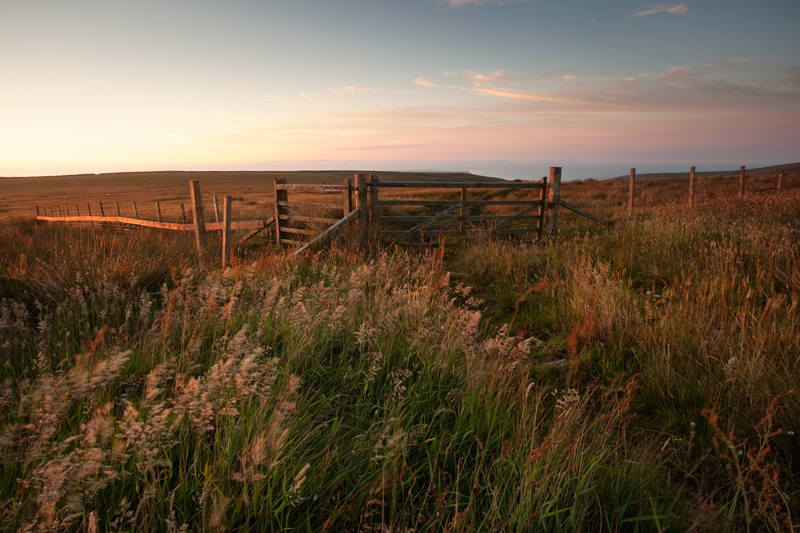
[[458, 208]]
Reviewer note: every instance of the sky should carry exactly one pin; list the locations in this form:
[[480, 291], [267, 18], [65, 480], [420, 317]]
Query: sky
[[116, 85]]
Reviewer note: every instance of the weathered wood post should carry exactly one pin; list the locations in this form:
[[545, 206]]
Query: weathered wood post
[[77, 211], [216, 208], [118, 213], [554, 197], [691, 187], [741, 182], [226, 233], [347, 197], [89, 210], [462, 223], [37, 210], [361, 199], [780, 181], [543, 206], [135, 210], [66, 208], [158, 210], [199, 221], [102, 213], [631, 192], [59, 210], [280, 196], [183, 213], [374, 187]]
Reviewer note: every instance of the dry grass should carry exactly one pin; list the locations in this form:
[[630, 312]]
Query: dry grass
[[636, 377]]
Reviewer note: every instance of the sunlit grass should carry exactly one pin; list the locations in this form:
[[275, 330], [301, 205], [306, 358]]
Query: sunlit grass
[[627, 378]]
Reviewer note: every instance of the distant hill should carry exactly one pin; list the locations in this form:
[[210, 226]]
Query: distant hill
[[790, 168]]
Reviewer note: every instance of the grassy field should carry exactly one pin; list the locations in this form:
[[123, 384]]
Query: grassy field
[[635, 377]]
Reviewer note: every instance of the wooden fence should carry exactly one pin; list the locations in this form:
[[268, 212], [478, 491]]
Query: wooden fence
[[428, 217], [303, 223], [740, 192]]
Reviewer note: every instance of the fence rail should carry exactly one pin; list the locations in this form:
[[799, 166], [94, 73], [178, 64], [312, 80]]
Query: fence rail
[[308, 223]]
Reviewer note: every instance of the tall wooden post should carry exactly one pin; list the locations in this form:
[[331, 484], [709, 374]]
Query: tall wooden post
[[543, 207], [216, 208], [135, 210], [361, 199], [554, 193], [183, 213], [631, 192], [37, 210], [280, 196], [197, 209], [226, 233], [691, 187], [741, 182], [66, 207], [347, 197], [118, 213], [89, 210], [77, 212], [780, 181], [374, 187], [59, 210], [102, 213], [462, 223], [158, 210]]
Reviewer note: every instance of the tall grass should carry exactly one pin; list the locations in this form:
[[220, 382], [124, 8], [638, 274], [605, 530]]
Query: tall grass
[[635, 378]]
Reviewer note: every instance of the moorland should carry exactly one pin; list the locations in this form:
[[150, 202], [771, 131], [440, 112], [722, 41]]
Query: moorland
[[638, 376]]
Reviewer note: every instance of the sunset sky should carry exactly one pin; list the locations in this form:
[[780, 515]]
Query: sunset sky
[[105, 85]]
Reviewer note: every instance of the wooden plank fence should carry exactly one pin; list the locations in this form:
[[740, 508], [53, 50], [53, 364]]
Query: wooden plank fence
[[369, 201]]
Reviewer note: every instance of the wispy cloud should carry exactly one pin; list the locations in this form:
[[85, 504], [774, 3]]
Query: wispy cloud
[[350, 89], [461, 3], [678, 9]]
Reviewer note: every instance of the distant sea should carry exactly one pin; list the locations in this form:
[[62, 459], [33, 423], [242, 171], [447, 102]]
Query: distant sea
[[510, 170]]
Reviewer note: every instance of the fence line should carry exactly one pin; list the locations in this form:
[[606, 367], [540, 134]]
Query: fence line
[[692, 182]]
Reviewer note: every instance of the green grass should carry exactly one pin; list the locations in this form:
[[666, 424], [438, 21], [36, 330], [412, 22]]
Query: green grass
[[602, 380]]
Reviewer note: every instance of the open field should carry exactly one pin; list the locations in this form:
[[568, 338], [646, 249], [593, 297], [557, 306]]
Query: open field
[[255, 189], [635, 377]]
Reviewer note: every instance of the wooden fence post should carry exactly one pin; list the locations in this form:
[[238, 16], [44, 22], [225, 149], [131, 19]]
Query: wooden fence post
[[135, 211], [741, 182], [226, 233], [780, 181], [347, 197], [462, 223], [691, 187], [631, 192], [118, 213], [66, 207], [183, 213], [374, 186], [543, 207], [77, 211], [37, 211], [102, 213], [199, 221], [89, 210], [554, 192], [158, 211], [59, 210], [361, 199], [280, 196], [216, 208]]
